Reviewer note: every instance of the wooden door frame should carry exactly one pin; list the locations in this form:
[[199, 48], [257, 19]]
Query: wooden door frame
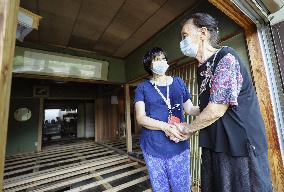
[[262, 87], [8, 25]]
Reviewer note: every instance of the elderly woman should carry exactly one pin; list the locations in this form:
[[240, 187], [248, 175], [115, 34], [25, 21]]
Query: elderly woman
[[232, 132], [160, 102]]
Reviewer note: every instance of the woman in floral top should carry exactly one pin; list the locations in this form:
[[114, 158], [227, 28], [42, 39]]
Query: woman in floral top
[[232, 132]]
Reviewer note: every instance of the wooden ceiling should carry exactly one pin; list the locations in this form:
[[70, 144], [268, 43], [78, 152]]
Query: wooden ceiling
[[108, 27]]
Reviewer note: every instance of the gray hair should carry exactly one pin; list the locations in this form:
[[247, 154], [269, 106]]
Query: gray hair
[[205, 20]]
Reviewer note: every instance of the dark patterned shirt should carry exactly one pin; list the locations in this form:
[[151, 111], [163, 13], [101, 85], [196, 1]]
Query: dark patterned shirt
[[223, 79]]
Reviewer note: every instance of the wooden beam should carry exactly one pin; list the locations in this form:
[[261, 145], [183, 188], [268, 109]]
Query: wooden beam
[[109, 179], [262, 87], [49, 152], [98, 178], [40, 123], [70, 160], [8, 25], [68, 176], [63, 78], [55, 151], [122, 152], [57, 172], [47, 179], [86, 177], [128, 184], [47, 172], [128, 119], [58, 159]]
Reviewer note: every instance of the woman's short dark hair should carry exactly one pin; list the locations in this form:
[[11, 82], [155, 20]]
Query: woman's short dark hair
[[206, 20], [149, 56]]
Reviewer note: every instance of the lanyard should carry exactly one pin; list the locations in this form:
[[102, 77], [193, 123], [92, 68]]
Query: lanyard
[[166, 100]]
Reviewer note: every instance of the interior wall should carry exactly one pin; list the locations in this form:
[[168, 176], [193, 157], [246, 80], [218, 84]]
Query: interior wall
[[109, 117], [169, 39], [26, 133], [23, 88], [22, 136]]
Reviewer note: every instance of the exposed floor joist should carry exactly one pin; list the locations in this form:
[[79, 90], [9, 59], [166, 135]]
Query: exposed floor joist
[[76, 167], [121, 145]]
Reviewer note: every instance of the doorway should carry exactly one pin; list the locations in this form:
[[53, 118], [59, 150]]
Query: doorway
[[59, 124]]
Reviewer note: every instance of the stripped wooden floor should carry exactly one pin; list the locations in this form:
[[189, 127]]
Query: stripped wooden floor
[[82, 166], [120, 144]]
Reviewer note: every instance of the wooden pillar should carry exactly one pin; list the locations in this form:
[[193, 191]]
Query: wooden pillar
[[8, 24], [99, 119], [40, 123], [94, 119], [262, 88], [128, 118]]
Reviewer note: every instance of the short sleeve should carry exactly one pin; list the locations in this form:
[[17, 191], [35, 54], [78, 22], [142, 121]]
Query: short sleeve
[[185, 92], [139, 94], [226, 81]]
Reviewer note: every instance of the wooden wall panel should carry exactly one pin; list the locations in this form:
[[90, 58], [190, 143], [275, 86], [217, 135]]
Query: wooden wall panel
[[262, 88], [8, 25], [107, 119]]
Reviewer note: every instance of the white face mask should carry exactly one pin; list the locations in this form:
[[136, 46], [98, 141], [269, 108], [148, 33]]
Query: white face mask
[[188, 48], [160, 67]]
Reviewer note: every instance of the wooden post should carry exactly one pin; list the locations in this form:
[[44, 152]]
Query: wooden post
[[128, 118], [95, 125], [8, 25], [40, 122], [262, 88]]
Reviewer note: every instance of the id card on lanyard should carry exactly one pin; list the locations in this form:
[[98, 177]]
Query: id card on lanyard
[[171, 118]]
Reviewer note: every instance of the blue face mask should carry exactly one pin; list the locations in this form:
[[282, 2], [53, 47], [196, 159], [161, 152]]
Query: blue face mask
[[188, 48], [160, 67]]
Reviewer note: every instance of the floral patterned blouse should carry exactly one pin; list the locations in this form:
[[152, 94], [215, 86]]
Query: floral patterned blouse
[[226, 81], [223, 79]]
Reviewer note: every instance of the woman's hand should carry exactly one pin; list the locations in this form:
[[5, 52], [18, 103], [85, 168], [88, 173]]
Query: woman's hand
[[173, 133], [184, 137], [167, 129], [184, 129]]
